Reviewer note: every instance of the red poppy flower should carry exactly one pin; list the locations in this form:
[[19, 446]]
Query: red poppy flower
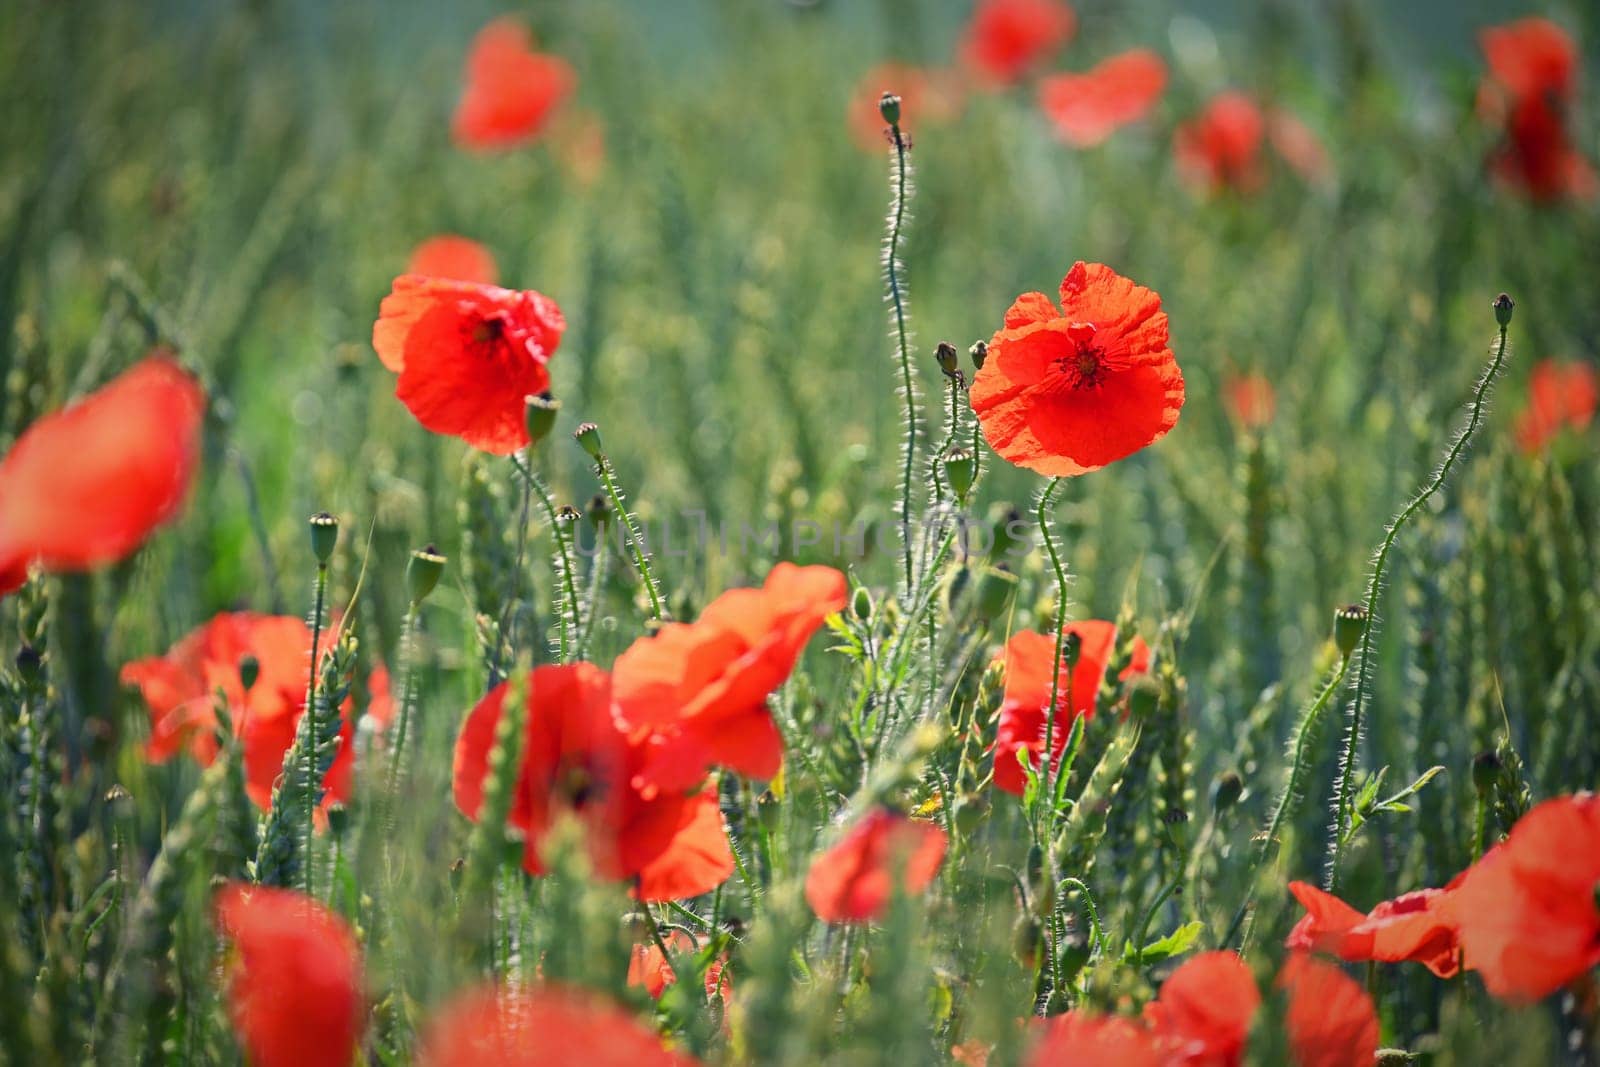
[[1069, 392], [1415, 926], [1531, 57], [295, 989], [1087, 108], [1527, 912], [1533, 77], [1007, 38], [511, 89], [459, 258], [1561, 396], [540, 1027], [1203, 1012], [926, 96], [578, 760], [649, 968], [1331, 1021], [87, 484], [1536, 154], [180, 689], [1082, 1038], [468, 355], [853, 880], [1251, 399], [699, 690], [1027, 659], [1221, 147]]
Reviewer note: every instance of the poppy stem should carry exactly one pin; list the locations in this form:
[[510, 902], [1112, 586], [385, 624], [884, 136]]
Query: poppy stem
[[1341, 829], [397, 751], [1044, 513], [311, 710], [900, 184], [641, 560], [568, 614]]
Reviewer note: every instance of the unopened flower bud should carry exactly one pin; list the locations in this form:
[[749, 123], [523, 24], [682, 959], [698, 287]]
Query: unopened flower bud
[[324, 536], [540, 414], [458, 870], [1226, 791], [30, 663], [960, 467], [861, 603], [949, 362], [1349, 626], [423, 572], [600, 511], [338, 819], [588, 436], [1486, 771], [1503, 305], [567, 513], [889, 108], [768, 810], [249, 671], [1025, 938], [1071, 649], [978, 353], [969, 813], [996, 588], [1007, 530], [119, 799]]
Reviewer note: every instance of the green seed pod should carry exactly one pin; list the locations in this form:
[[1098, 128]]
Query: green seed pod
[[540, 414], [1349, 626], [1503, 305], [324, 536], [249, 671], [889, 108], [423, 572], [1487, 772], [960, 467], [588, 436], [1226, 791], [978, 353]]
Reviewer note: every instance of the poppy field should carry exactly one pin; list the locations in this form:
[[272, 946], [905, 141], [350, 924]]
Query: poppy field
[[993, 532]]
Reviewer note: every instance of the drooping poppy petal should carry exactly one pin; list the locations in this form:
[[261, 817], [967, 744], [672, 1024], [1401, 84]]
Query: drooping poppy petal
[[1070, 392], [1221, 147], [1416, 927], [1026, 659], [1204, 1010], [458, 258], [1527, 913], [511, 89], [84, 486], [295, 986], [1082, 1039], [927, 97], [540, 1027], [578, 760], [700, 689], [854, 880], [468, 356], [650, 969], [1008, 38], [1331, 1020], [1561, 396], [1087, 108]]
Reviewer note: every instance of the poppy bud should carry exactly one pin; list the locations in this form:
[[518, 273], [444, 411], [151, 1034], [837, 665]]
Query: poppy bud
[[889, 108], [1227, 790], [588, 435], [1486, 771], [948, 361], [118, 797], [768, 810], [969, 813], [540, 414], [979, 352], [29, 663], [1349, 625], [1005, 526], [567, 513], [1071, 649], [600, 511], [960, 467], [1144, 695], [249, 671], [861, 603], [1074, 956], [1503, 305], [457, 870], [338, 819], [324, 536], [422, 573], [996, 588], [1025, 940]]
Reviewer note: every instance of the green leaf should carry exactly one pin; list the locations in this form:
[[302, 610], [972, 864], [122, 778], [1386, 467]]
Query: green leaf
[[1176, 943]]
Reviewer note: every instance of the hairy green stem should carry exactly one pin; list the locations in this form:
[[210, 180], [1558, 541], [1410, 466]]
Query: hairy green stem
[[568, 615], [635, 538], [897, 297], [311, 709]]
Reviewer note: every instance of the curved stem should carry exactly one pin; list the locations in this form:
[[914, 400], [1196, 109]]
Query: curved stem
[[1095, 931], [1046, 498], [902, 340], [567, 615], [635, 538], [1347, 758]]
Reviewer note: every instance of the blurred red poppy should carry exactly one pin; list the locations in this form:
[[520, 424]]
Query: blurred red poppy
[[1331, 1021], [1087, 108], [1202, 1015], [1221, 147], [1527, 913], [1250, 399], [578, 760], [926, 96], [449, 256], [1531, 57], [1298, 146], [1531, 84], [1066, 392], [511, 89], [1026, 659], [468, 355], [295, 984], [1416, 926], [1008, 38], [649, 968], [180, 691], [1561, 397], [1082, 1038], [540, 1027], [699, 690], [85, 485], [1536, 154], [854, 880]]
